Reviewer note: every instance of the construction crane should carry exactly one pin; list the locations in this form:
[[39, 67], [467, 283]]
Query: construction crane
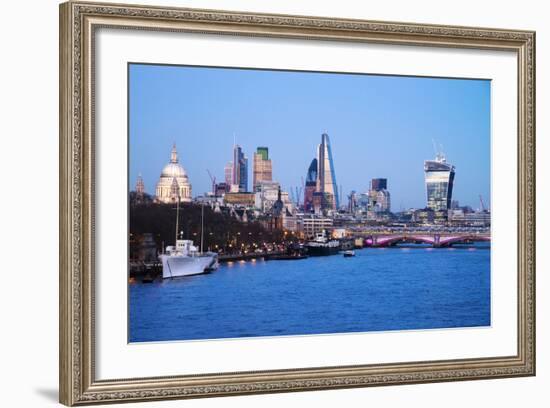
[[482, 204], [213, 179], [351, 202], [298, 196], [303, 187], [438, 150]]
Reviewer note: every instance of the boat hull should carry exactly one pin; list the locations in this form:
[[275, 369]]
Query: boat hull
[[322, 250], [174, 266], [285, 257]]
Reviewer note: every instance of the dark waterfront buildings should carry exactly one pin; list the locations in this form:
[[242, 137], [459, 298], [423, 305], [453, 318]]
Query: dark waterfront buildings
[[439, 177]]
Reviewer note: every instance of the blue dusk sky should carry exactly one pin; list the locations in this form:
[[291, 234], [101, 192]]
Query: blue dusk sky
[[379, 126]]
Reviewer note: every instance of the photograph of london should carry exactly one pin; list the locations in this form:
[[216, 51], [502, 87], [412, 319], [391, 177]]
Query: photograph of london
[[284, 203]]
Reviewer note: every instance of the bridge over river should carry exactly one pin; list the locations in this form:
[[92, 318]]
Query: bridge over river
[[434, 239]]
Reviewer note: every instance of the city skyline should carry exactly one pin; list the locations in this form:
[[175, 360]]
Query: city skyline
[[358, 157]]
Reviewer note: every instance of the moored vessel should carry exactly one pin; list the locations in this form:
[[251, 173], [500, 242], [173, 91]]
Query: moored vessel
[[322, 246], [185, 259]]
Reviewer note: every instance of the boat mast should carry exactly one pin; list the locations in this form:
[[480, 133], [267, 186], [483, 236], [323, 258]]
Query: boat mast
[[177, 219], [202, 225]]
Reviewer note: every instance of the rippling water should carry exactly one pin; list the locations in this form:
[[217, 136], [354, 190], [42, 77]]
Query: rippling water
[[378, 289]]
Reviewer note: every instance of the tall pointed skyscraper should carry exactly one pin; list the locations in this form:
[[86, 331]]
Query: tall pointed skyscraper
[[326, 177], [240, 169]]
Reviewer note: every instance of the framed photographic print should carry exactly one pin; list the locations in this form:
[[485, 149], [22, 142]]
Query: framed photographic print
[[256, 203]]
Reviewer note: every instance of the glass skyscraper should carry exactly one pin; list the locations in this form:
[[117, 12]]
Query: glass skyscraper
[[439, 177], [379, 184], [261, 167], [311, 185], [326, 181], [379, 197], [263, 152], [240, 169]]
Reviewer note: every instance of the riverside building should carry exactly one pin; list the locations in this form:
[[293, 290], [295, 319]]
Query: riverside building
[[439, 176], [313, 225]]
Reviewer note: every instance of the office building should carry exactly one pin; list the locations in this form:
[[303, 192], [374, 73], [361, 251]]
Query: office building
[[439, 176], [240, 169], [378, 197], [326, 176], [310, 186], [313, 225], [265, 195], [228, 173], [378, 184], [261, 167]]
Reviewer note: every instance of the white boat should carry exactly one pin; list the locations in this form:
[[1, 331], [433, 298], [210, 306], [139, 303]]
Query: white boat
[[349, 253], [322, 246], [185, 259]]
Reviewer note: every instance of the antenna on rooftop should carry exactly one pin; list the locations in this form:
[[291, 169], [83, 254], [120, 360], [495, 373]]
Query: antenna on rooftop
[[439, 155], [213, 179], [298, 196], [435, 147]]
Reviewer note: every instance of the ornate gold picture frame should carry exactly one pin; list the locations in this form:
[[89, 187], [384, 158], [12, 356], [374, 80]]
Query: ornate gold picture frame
[[78, 24]]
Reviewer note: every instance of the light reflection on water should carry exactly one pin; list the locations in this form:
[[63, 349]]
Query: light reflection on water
[[378, 289]]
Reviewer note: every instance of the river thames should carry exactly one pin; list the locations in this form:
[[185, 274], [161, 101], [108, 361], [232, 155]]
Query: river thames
[[399, 288]]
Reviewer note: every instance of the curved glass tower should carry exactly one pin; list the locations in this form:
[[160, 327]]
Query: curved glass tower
[[311, 185], [439, 183]]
